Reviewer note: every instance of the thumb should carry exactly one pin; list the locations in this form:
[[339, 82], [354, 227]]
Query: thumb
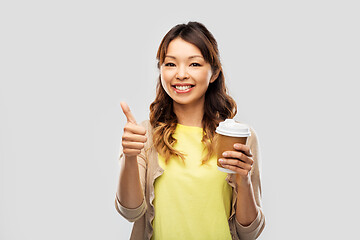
[[125, 108]]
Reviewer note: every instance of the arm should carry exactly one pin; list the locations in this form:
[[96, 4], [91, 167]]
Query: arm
[[246, 209], [249, 218], [130, 201], [129, 191]]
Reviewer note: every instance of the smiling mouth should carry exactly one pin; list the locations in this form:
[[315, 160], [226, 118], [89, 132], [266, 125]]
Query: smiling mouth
[[182, 88]]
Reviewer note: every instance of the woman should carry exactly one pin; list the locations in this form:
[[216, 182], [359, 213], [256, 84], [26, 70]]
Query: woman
[[169, 183]]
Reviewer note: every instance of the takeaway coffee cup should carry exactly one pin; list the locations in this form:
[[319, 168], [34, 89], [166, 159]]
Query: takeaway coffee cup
[[230, 132]]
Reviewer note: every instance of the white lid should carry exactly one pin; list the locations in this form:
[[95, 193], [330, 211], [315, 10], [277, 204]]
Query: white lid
[[233, 129]]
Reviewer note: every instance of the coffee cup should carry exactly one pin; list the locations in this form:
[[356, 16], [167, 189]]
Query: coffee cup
[[229, 132]]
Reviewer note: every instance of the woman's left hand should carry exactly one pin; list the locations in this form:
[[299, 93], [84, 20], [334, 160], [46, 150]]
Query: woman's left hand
[[239, 161]]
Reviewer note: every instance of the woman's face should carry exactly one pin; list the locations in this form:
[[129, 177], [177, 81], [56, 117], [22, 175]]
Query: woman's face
[[185, 75]]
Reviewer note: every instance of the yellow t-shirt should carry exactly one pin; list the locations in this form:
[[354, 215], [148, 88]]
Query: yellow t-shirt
[[191, 201]]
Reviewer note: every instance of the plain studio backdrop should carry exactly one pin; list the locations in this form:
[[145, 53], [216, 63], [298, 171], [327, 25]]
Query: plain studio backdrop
[[292, 67]]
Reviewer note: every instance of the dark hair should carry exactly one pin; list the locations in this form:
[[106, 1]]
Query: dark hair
[[218, 104]]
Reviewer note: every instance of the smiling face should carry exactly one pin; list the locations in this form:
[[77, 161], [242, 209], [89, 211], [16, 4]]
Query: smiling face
[[185, 75]]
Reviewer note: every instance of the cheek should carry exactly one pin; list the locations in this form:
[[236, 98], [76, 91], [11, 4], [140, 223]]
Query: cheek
[[165, 81], [166, 76], [204, 77], [209, 75]]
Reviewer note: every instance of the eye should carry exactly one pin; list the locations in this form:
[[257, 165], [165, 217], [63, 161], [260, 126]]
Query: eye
[[195, 64], [169, 64]]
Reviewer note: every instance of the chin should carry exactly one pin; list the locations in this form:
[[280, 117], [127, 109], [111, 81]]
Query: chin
[[185, 101], [181, 102]]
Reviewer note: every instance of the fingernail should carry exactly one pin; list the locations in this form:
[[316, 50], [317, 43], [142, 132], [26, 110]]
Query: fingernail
[[225, 154], [221, 160], [236, 145]]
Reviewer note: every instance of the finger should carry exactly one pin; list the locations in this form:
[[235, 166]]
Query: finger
[[126, 109], [133, 145], [136, 129], [134, 138], [243, 148], [238, 155], [238, 170], [235, 163]]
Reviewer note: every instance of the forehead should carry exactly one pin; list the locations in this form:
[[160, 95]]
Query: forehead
[[180, 47]]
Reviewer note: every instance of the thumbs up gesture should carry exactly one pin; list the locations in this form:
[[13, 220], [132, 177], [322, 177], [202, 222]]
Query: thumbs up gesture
[[133, 139]]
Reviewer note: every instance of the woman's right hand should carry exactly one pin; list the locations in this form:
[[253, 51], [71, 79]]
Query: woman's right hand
[[134, 137], [130, 189]]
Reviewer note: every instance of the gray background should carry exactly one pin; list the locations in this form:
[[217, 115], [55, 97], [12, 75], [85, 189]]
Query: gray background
[[292, 67]]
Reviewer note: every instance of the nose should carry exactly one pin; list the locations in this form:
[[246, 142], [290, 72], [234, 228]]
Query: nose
[[182, 73]]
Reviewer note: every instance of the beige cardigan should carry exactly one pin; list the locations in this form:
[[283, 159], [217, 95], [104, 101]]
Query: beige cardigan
[[149, 170]]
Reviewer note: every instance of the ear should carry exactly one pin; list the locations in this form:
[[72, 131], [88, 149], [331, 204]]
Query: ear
[[214, 76]]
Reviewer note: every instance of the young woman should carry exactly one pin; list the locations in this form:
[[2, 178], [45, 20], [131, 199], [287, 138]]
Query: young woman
[[169, 183]]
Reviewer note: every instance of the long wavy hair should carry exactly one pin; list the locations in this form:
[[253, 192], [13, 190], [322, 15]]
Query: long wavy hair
[[218, 104]]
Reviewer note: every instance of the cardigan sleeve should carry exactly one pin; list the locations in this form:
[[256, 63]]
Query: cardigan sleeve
[[133, 214], [252, 231], [256, 227]]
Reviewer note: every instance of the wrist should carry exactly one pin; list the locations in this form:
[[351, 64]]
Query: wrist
[[130, 161], [130, 158], [243, 181]]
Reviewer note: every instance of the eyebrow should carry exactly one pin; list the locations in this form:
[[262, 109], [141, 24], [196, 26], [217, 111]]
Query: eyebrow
[[194, 56]]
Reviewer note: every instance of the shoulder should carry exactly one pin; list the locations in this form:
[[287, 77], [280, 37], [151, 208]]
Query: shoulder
[[147, 125], [252, 130], [253, 134]]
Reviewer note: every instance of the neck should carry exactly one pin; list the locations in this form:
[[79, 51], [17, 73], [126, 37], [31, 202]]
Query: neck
[[189, 115]]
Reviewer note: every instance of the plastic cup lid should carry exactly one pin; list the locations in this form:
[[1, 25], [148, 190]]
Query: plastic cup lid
[[233, 129]]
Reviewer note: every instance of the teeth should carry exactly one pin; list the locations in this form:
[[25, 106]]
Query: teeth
[[182, 88]]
